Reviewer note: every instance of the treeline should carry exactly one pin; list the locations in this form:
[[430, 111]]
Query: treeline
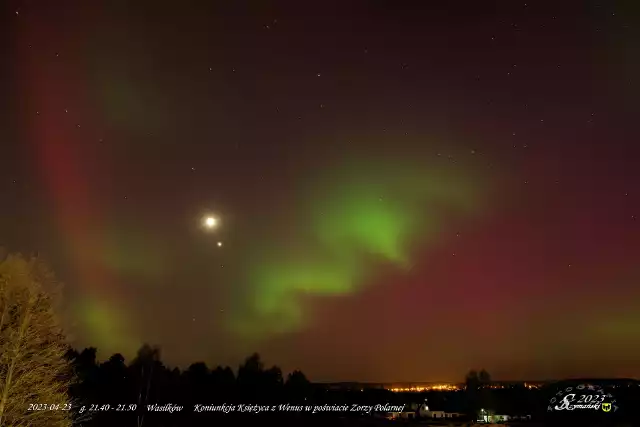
[[130, 389], [147, 380]]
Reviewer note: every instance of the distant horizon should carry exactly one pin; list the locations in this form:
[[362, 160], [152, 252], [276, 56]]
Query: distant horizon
[[269, 362], [551, 380]]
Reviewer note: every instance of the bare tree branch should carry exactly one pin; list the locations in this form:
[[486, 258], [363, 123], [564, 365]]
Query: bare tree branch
[[33, 369]]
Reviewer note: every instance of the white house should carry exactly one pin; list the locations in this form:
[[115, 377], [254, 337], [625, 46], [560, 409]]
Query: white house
[[439, 414], [424, 412], [489, 417], [435, 414]]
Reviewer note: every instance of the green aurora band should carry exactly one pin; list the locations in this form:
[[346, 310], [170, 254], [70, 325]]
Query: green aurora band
[[108, 325], [362, 215]]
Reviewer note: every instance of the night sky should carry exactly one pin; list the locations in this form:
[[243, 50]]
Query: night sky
[[404, 191]]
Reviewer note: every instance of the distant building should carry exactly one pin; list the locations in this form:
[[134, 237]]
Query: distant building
[[425, 412], [441, 414], [434, 414], [490, 417]]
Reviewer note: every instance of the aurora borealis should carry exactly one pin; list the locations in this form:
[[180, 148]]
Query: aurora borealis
[[404, 192], [365, 214]]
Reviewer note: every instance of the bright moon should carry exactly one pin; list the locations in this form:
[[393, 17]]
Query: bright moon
[[210, 222]]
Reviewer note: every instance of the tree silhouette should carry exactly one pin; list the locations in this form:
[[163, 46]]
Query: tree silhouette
[[33, 366], [198, 379], [143, 368], [113, 377], [477, 393], [252, 366], [272, 383], [484, 378], [472, 382], [250, 376], [297, 385], [273, 377], [223, 382]]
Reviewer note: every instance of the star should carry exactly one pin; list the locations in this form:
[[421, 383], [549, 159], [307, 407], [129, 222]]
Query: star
[[219, 244]]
